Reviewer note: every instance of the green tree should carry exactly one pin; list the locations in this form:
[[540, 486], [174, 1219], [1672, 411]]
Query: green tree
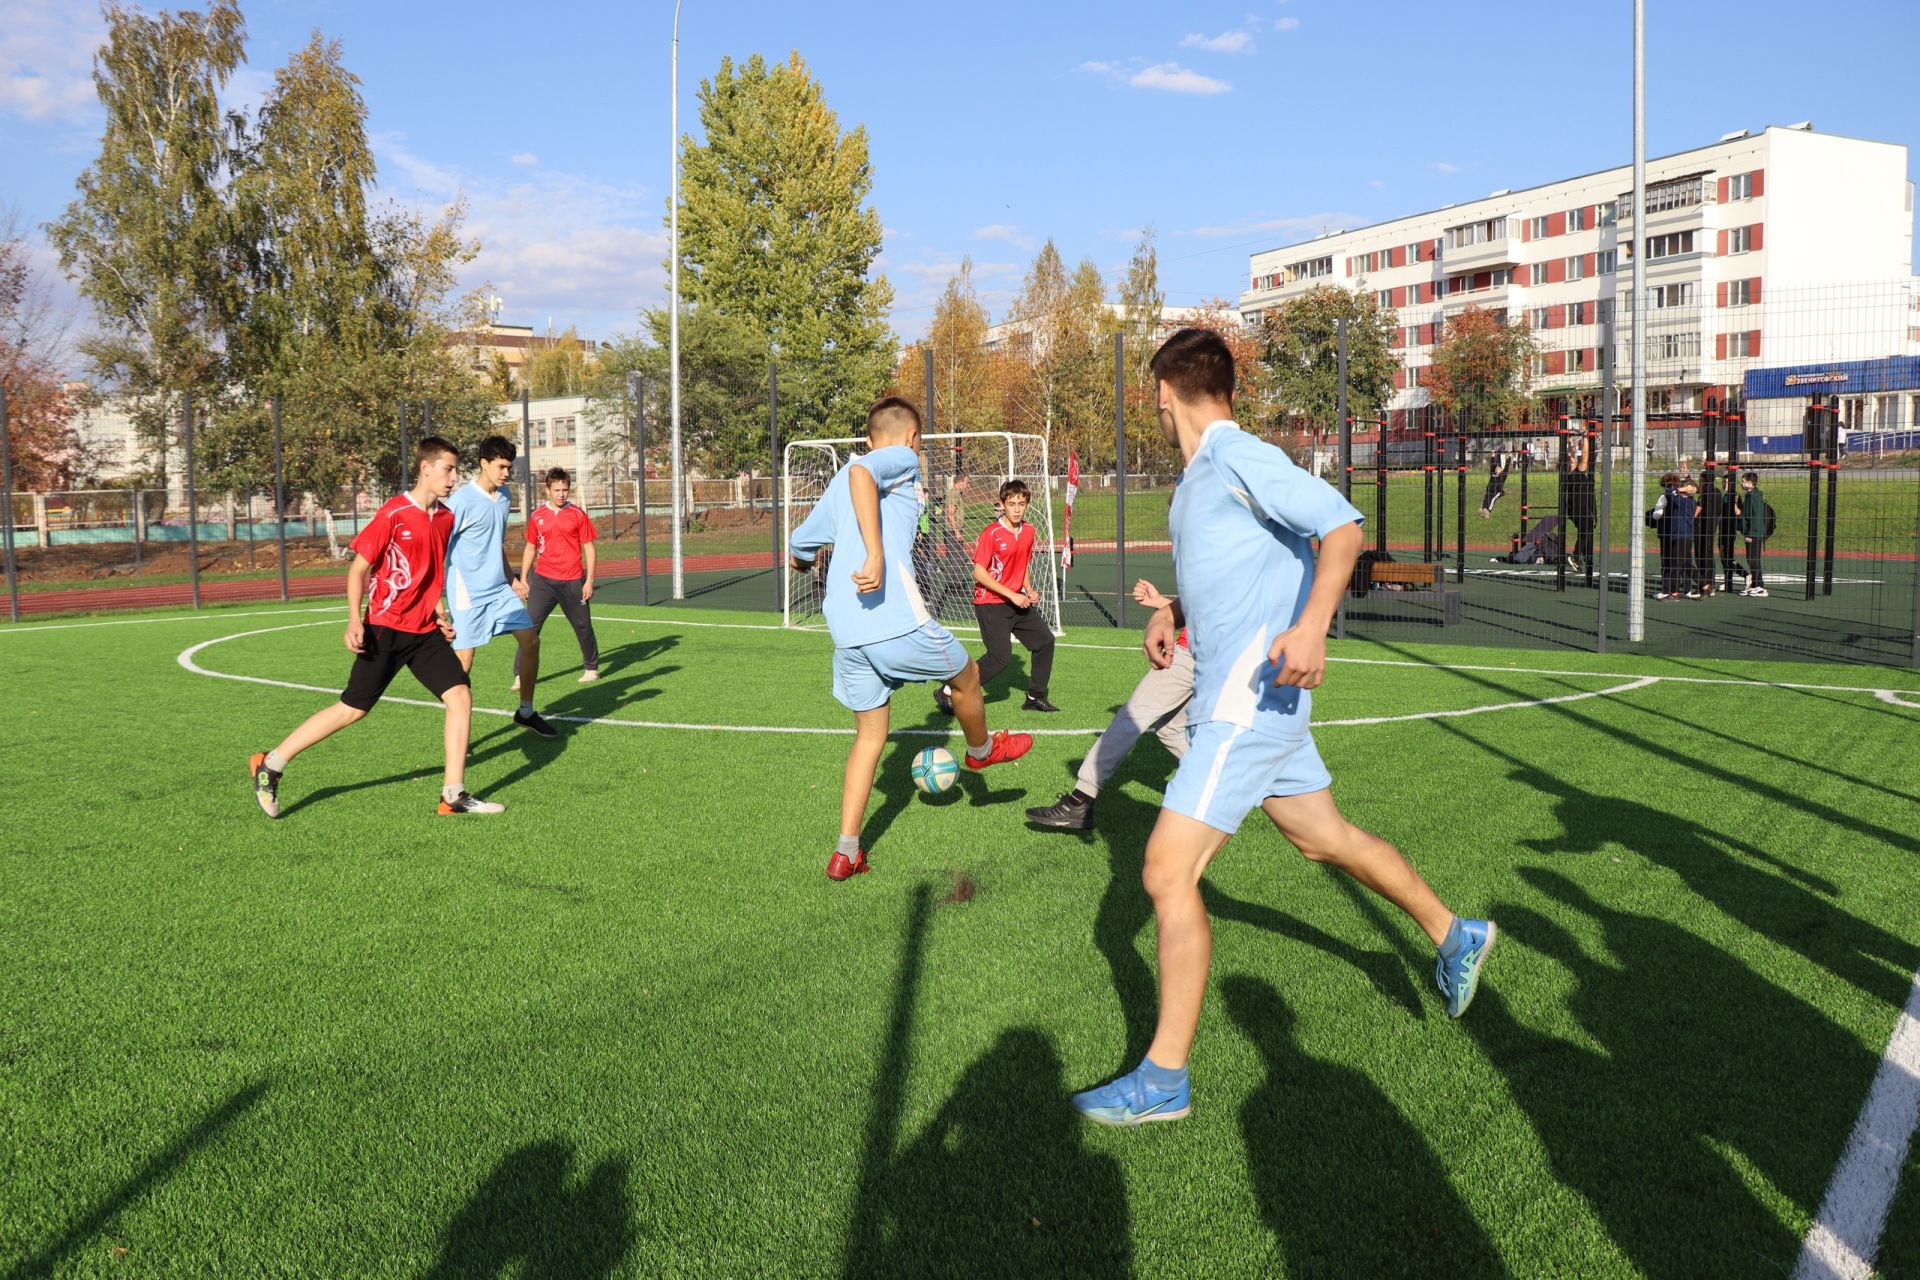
[[723, 392], [149, 240], [1142, 303], [1483, 369], [964, 371], [776, 240], [557, 367], [1298, 342]]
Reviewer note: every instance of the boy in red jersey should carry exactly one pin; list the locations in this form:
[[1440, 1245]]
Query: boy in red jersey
[[1004, 600], [561, 536], [403, 550]]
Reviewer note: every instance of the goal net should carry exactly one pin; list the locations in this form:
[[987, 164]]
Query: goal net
[[961, 475]]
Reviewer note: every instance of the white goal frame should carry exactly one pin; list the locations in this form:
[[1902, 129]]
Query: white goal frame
[[843, 450]]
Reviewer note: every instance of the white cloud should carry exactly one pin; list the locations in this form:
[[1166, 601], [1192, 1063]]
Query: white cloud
[[1441, 166], [1225, 42], [1013, 235], [1174, 78], [46, 58], [1286, 24], [1101, 68], [1376, 182], [526, 159], [1311, 224]]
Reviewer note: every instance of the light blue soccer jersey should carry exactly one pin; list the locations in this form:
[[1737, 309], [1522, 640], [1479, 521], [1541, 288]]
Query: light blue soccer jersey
[[1242, 518], [896, 608], [475, 566]]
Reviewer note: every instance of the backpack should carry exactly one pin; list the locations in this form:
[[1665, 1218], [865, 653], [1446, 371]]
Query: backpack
[[1770, 518]]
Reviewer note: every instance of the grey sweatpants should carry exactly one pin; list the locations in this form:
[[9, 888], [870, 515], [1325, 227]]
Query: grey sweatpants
[[1158, 705], [547, 592]]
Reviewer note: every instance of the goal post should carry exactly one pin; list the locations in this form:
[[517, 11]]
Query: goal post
[[960, 474]]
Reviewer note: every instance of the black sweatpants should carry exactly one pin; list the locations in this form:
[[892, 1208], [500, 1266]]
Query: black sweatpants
[[547, 592], [999, 624], [1755, 578]]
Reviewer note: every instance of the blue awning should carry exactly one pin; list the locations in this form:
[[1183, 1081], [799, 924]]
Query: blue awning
[[1839, 377]]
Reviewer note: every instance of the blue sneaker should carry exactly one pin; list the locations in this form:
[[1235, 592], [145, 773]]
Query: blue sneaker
[[1458, 975], [1130, 1100]]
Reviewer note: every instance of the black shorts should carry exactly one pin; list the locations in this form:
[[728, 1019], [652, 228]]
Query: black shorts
[[428, 654]]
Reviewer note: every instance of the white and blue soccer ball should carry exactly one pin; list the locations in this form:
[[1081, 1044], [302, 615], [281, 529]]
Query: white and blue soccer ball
[[935, 770]]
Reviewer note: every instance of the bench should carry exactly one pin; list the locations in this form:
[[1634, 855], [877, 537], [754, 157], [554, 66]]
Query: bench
[[1422, 581]]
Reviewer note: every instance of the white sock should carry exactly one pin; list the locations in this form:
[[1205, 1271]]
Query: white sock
[[849, 845], [274, 762], [982, 751], [451, 791]]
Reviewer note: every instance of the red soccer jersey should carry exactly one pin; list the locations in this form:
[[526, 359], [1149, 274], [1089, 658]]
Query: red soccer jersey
[[1004, 554], [558, 535], [407, 548]]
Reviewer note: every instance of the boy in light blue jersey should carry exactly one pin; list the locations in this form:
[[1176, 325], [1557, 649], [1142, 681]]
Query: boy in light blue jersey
[[883, 634], [1243, 522], [485, 602]]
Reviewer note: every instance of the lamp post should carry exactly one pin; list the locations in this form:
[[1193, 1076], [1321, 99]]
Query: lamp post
[[673, 325]]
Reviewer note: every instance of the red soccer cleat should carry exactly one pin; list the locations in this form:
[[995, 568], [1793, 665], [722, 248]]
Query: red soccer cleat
[[1005, 746], [841, 867]]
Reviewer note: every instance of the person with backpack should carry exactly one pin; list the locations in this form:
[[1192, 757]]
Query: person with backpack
[[1660, 520], [1750, 516], [1709, 531]]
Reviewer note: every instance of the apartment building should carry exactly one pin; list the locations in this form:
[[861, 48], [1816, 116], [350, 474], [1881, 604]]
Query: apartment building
[[1786, 249]]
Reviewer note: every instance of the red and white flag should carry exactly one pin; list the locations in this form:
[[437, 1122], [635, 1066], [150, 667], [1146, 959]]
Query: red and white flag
[[1073, 490]]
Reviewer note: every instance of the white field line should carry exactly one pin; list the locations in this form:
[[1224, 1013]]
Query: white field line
[[187, 660], [185, 617], [1886, 695], [1846, 1235]]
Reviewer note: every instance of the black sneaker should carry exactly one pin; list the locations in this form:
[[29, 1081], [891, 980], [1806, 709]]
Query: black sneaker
[[943, 700], [1035, 702], [1072, 814], [531, 720], [266, 785]]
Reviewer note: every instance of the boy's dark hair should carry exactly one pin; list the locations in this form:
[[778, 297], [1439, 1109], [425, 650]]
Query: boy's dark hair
[[497, 447], [1015, 488], [1669, 480], [887, 413], [1750, 477], [1197, 364], [558, 475], [429, 448]]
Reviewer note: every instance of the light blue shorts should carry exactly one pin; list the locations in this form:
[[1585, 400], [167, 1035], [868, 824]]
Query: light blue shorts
[[1228, 770], [865, 676], [494, 614]]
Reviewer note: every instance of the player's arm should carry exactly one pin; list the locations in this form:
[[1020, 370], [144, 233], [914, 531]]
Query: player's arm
[[993, 584], [1144, 592], [1301, 651], [1163, 633], [356, 638], [807, 541], [865, 492], [586, 566], [526, 561]]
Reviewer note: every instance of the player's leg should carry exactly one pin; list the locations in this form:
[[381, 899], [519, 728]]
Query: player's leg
[[996, 636], [541, 601], [1315, 826], [373, 670], [1037, 637], [433, 664], [932, 653], [580, 616], [1157, 702], [860, 687]]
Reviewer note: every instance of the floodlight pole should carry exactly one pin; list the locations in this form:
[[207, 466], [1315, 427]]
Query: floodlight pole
[[673, 324], [1637, 433], [6, 495]]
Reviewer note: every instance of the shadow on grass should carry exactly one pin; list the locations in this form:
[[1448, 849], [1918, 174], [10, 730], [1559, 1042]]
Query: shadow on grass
[[998, 1184], [529, 1220], [1700, 1110], [156, 1170], [536, 752], [1345, 1183], [893, 781]]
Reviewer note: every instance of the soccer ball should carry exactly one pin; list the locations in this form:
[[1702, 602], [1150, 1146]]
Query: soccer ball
[[935, 770]]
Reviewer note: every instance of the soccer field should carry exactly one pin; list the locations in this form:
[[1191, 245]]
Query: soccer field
[[629, 1028]]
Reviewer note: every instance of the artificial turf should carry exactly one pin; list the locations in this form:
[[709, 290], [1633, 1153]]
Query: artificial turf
[[629, 1028]]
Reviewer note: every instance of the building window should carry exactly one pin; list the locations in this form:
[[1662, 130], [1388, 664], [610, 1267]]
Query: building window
[[1577, 313], [1663, 296], [1740, 240], [1676, 195], [1671, 245], [1311, 269], [563, 430], [1539, 366], [1537, 228], [1604, 311], [539, 433], [1386, 299], [1576, 267], [1537, 317], [1607, 214], [1740, 345], [1476, 233], [1740, 293], [1886, 412], [1606, 262], [1740, 187], [1576, 220], [1660, 400], [1673, 346], [1502, 276]]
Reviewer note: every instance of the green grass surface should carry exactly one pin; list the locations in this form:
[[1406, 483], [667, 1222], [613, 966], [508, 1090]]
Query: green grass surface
[[628, 1027]]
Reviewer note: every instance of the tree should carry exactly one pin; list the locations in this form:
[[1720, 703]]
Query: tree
[[557, 367], [723, 391], [39, 411], [148, 240], [965, 374], [1483, 369], [776, 240], [1298, 342], [1142, 303]]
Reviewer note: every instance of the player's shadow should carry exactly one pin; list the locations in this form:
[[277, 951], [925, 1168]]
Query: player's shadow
[[1345, 1182], [1690, 1082], [536, 753], [1767, 894], [1387, 971], [157, 1169], [532, 1220], [999, 1182], [893, 782], [607, 695]]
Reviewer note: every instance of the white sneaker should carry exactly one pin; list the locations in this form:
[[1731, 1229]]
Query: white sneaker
[[1755, 591], [589, 676]]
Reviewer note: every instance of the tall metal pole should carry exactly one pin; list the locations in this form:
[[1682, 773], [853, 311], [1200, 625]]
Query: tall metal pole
[[927, 404], [526, 450], [637, 388], [1608, 398], [673, 321], [1341, 412], [1120, 473], [6, 496], [773, 504], [280, 499], [1637, 434], [193, 505], [404, 485]]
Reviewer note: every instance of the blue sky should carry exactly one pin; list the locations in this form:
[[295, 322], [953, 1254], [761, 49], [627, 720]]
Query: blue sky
[[1229, 126]]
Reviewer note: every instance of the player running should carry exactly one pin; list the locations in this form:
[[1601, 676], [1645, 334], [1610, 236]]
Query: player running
[[561, 536], [1257, 614], [883, 635], [403, 549], [485, 603]]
